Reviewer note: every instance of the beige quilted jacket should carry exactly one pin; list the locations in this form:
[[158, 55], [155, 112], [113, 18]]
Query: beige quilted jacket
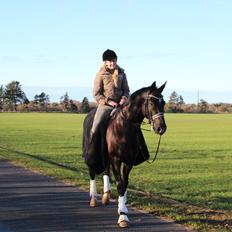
[[107, 88]]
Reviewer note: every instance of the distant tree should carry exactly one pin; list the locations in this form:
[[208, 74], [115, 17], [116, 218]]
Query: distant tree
[[181, 100], [64, 100], [1, 97], [85, 105], [14, 94], [173, 99], [175, 102], [41, 99], [203, 106], [73, 107]]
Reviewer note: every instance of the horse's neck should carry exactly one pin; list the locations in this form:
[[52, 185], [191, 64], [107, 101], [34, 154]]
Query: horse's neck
[[133, 113]]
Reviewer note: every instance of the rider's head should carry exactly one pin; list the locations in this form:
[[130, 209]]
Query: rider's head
[[109, 55], [110, 59]]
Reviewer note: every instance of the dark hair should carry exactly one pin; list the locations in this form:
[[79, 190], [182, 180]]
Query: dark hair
[[109, 55]]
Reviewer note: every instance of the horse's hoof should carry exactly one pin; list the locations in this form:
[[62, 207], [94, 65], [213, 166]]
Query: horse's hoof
[[93, 202], [123, 224], [106, 198]]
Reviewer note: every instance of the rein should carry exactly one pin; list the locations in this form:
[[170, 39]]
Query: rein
[[157, 150]]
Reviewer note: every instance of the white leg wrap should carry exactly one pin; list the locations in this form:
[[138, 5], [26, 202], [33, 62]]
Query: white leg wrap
[[93, 189], [125, 195], [122, 205], [106, 181], [123, 218]]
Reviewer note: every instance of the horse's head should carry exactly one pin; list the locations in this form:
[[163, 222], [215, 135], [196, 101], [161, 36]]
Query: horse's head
[[154, 108]]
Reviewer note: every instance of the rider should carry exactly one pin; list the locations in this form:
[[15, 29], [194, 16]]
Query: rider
[[110, 89]]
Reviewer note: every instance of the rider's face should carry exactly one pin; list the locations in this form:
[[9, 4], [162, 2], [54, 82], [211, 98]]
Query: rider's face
[[111, 64]]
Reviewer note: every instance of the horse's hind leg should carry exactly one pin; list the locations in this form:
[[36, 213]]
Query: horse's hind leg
[[122, 209], [92, 189], [107, 187]]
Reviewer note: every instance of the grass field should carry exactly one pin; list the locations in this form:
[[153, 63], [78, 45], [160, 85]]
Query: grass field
[[191, 181]]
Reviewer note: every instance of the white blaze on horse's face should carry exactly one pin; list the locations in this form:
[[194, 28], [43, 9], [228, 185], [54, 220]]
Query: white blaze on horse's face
[[155, 113]]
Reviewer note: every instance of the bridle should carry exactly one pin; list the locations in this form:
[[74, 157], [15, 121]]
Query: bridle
[[152, 118]]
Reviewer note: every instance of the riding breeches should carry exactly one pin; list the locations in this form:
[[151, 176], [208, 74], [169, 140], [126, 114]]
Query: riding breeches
[[101, 113]]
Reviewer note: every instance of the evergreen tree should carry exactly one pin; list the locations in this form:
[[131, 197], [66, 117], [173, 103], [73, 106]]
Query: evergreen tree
[[1, 97], [14, 94], [73, 107], [203, 106], [175, 102], [85, 105], [41, 99], [181, 100], [173, 99], [65, 101]]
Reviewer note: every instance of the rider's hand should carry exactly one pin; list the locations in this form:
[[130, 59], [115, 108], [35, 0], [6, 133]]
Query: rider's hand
[[122, 101], [112, 103]]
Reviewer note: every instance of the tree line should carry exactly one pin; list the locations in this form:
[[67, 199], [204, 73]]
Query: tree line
[[13, 98], [176, 104]]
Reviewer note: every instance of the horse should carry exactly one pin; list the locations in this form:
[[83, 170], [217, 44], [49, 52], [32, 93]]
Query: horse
[[124, 144]]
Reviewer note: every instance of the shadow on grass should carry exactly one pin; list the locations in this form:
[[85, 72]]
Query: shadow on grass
[[64, 166], [226, 224]]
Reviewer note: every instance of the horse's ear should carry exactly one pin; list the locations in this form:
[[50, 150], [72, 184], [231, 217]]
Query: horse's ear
[[161, 88], [153, 86]]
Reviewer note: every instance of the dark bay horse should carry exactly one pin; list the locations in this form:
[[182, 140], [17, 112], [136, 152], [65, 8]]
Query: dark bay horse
[[125, 145]]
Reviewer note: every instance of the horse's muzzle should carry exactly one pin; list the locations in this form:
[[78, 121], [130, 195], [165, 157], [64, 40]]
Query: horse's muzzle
[[158, 124], [161, 130]]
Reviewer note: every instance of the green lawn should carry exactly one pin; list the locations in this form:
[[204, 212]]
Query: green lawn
[[193, 166]]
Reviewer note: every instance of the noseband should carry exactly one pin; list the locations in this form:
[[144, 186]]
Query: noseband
[[151, 118]]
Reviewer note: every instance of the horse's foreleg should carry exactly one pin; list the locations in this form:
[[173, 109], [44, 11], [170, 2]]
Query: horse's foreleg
[[92, 189], [126, 172], [106, 187], [122, 209]]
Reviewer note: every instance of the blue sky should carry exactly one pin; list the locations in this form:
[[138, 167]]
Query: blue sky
[[59, 43]]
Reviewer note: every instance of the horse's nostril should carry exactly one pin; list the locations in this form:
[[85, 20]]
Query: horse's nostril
[[161, 130]]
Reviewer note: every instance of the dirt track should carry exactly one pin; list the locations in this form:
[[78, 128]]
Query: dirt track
[[30, 202]]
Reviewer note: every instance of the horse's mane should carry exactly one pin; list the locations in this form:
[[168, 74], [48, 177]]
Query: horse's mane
[[138, 92]]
